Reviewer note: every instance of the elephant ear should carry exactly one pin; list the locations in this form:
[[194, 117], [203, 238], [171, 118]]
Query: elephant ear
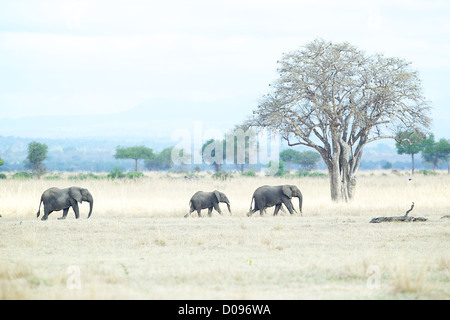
[[75, 193], [217, 194], [287, 191]]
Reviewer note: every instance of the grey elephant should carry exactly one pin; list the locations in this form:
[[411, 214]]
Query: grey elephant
[[56, 199], [207, 200], [269, 196]]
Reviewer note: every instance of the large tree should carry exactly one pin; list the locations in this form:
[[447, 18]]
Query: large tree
[[336, 99]]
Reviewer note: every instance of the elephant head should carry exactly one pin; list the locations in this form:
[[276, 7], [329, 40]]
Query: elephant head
[[293, 191], [221, 197], [80, 195]]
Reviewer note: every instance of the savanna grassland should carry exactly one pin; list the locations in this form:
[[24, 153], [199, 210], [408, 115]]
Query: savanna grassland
[[137, 245]]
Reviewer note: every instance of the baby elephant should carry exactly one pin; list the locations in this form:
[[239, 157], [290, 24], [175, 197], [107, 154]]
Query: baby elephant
[[55, 199], [202, 200]]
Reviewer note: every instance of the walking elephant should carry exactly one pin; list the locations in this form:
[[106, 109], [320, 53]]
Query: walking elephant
[[56, 199], [269, 196], [202, 200]]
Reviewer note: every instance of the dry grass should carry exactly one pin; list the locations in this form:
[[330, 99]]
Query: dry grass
[[138, 245]]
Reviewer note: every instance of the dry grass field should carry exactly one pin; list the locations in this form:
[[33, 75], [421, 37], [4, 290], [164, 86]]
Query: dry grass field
[[137, 245]]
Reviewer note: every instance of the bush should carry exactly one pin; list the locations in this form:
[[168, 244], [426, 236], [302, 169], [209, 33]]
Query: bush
[[249, 173], [281, 172], [22, 175], [2, 176], [52, 177], [135, 175], [86, 176], [301, 173], [222, 175], [116, 174], [427, 172]]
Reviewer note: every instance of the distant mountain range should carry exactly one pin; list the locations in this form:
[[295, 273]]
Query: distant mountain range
[[156, 118]]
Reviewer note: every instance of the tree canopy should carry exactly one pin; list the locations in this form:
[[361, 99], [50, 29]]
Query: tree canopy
[[410, 142], [436, 152], [136, 153], [336, 99], [37, 153]]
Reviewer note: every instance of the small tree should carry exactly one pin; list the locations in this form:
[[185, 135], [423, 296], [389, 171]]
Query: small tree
[[288, 156], [443, 149], [429, 152], [37, 153], [308, 160], [410, 142], [2, 162], [136, 153], [214, 152], [161, 161]]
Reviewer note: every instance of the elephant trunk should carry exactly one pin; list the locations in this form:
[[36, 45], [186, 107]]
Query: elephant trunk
[[300, 200], [229, 208], [91, 204]]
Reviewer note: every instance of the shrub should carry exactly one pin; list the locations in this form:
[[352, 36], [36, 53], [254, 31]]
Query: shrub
[[222, 175], [116, 174], [22, 175], [249, 173], [135, 175], [301, 173], [86, 176], [428, 172], [52, 177], [281, 172], [2, 176]]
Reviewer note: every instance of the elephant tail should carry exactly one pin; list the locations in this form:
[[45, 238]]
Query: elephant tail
[[39, 210]]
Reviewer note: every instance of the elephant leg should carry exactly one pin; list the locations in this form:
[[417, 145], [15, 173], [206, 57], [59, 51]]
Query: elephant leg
[[216, 206], [65, 211], [277, 208], [199, 212], [190, 211], [47, 211], [210, 209], [251, 212], [260, 205], [75, 209], [289, 205]]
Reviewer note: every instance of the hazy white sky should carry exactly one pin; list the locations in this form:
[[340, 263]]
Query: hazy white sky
[[82, 57]]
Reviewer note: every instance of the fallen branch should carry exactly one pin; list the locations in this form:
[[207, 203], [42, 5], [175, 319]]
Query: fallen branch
[[404, 218]]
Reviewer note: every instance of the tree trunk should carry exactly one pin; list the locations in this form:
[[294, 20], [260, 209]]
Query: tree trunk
[[342, 170], [342, 186], [412, 160]]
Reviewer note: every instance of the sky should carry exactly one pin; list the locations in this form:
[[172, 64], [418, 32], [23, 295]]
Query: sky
[[67, 57]]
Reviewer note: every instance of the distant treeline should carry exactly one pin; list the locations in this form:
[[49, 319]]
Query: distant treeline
[[91, 155]]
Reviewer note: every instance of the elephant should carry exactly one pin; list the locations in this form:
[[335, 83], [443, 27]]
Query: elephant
[[269, 196], [202, 200], [56, 199]]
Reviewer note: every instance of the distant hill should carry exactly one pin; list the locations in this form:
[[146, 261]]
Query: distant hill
[[156, 118]]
